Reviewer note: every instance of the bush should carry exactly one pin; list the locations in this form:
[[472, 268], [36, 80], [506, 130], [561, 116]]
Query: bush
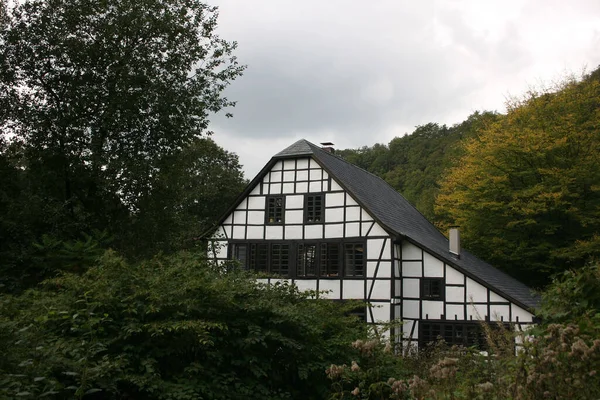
[[169, 328]]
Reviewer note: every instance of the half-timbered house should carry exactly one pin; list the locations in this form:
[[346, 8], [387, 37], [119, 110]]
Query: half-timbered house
[[327, 225]]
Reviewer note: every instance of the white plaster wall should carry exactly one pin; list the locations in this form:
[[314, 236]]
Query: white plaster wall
[[335, 186], [500, 312], [255, 232], [453, 276], [294, 201], [380, 289], [523, 315], [334, 231], [433, 267], [377, 230], [476, 312], [352, 213], [302, 187], [287, 188], [411, 288], [455, 311], [354, 289], [374, 248], [432, 309], [293, 232], [313, 231], [352, 229], [334, 199], [256, 217], [239, 232], [365, 215], [410, 251], [302, 176], [476, 292], [257, 203], [411, 269], [455, 294], [410, 308], [332, 286], [334, 215], [288, 176], [381, 312], [294, 216], [302, 163], [289, 164], [306, 284], [274, 232]]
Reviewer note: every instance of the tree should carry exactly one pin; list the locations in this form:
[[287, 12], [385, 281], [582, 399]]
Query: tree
[[99, 92], [95, 96], [526, 192], [193, 188]]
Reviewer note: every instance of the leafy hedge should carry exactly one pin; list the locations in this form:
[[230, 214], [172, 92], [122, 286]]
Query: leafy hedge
[[169, 328]]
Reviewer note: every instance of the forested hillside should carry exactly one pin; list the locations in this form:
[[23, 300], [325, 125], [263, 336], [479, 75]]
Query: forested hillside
[[414, 164], [523, 187]]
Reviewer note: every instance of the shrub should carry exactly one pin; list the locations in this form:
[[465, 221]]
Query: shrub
[[170, 328]]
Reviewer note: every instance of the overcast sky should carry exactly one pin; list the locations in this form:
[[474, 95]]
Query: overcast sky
[[358, 73]]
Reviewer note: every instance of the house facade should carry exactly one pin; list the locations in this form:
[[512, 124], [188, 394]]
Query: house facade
[[313, 219]]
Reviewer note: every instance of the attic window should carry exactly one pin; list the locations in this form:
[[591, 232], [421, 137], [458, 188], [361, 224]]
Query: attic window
[[432, 289], [275, 205], [314, 209]]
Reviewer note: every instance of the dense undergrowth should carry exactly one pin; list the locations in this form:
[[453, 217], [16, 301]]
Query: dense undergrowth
[[558, 359], [180, 327]]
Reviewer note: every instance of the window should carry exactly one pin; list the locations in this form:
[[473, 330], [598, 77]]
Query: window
[[454, 333], [280, 258], [330, 259], [275, 210], [354, 259], [314, 209], [432, 288], [303, 260], [307, 260], [259, 257], [240, 252]]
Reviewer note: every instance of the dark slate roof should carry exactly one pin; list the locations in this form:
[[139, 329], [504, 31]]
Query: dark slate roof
[[400, 217]]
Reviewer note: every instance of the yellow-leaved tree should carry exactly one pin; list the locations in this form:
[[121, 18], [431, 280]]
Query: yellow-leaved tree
[[526, 194]]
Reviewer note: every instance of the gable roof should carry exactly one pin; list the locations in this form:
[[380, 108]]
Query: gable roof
[[401, 218]]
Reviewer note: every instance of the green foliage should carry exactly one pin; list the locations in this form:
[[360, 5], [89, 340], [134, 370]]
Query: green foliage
[[100, 104], [526, 193], [169, 328], [192, 189], [413, 164], [574, 298]]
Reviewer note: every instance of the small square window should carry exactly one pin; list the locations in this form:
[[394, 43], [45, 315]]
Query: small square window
[[432, 288], [313, 213], [275, 210]]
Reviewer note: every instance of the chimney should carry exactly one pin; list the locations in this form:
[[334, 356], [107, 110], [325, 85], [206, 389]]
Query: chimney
[[454, 240], [328, 147]]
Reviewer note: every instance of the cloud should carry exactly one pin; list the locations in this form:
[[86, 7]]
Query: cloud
[[358, 73]]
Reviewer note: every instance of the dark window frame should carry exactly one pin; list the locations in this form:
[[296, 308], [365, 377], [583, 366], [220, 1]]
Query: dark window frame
[[453, 332], [259, 257], [311, 211], [428, 289], [273, 210], [363, 262]]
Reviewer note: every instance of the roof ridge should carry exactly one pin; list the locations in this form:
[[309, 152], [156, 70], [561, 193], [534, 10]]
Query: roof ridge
[[381, 179]]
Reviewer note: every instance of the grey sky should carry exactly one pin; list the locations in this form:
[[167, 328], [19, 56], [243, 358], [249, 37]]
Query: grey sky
[[358, 73]]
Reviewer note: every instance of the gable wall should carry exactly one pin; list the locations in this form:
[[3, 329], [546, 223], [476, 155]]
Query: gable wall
[[464, 298], [344, 220]]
